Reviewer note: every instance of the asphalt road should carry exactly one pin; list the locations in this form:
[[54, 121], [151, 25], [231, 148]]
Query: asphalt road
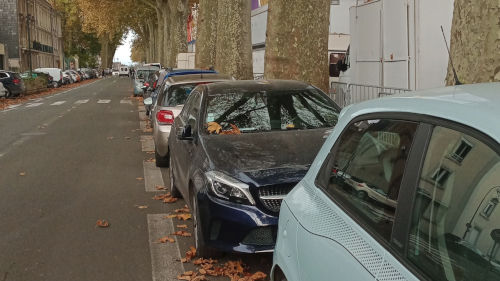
[[70, 159]]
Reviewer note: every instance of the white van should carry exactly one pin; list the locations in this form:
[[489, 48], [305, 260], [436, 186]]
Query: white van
[[56, 74], [123, 71]]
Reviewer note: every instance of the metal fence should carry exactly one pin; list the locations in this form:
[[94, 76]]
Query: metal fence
[[345, 94]]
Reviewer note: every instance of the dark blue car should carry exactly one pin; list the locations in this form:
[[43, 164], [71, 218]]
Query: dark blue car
[[237, 149]]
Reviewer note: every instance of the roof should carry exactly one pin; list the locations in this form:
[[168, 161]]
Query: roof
[[181, 79], [257, 85], [474, 105], [177, 72]]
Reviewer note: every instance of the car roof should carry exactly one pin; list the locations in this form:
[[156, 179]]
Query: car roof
[[147, 68], [257, 85], [473, 105], [177, 72], [200, 77]]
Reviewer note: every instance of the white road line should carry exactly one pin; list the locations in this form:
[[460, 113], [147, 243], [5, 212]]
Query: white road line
[[59, 102], [103, 101], [163, 254], [143, 125], [126, 101], [13, 106], [147, 143], [152, 176], [81, 101], [35, 104]]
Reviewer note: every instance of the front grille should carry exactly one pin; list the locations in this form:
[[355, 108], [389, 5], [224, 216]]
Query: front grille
[[262, 236], [271, 196]]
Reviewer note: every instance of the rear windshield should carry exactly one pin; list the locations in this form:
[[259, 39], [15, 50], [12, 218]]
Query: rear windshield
[[178, 94], [241, 112], [143, 74]]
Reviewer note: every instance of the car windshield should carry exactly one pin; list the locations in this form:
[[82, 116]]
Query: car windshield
[[142, 74], [178, 94], [240, 112]]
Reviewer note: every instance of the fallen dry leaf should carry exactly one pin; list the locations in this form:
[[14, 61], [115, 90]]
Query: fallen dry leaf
[[150, 160], [150, 152], [258, 276], [142, 206], [184, 217], [139, 179], [160, 187], [102, 223], [162, 196], [213, 128], [22, 173], [166, 239], [182, 233], [148, 130], [110, 138], [127, 138], [183, 210], [234, 131], [170, 200], [182, 226]]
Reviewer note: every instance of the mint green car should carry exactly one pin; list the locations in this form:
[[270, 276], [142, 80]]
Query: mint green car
[[405, 188]]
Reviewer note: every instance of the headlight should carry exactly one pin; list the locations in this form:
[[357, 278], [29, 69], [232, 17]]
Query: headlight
[[225, 187]]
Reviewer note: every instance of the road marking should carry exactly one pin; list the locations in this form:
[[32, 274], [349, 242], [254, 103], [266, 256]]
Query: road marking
[[81, 101], [126, 101], [104, 101], [163, 254], [147, 143], [33, 134], [35, 104], [152, 176], [59, 102], [13, 106]]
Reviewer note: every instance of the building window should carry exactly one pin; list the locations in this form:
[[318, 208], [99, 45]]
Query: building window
[[441, 175], [490, 207], [461, 151]]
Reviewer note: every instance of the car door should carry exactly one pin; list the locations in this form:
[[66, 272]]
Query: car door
[[184, 148], [349, 227]]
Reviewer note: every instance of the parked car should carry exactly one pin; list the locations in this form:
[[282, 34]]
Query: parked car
[[73, 76], [140, 83], [440, 169], [56, 74], [236, 149], [169, 105], [116, 73], [3, 91], [13, 82], [66, 78], [165, 74]]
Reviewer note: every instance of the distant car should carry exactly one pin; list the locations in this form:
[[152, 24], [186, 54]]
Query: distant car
[[404, 188], [140, 79], [124, 71], [3, 91], [56, 74], [155, 64], [66, 78], [13, 82], [169, 104], [72, 75], [236, 149], [116, 73]]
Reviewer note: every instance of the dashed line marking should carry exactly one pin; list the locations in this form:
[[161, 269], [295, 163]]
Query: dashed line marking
[[58, 102], [162, 254], [103, 101], [152, 176], [81, 101], [13, 106], [126, 102], [35, 104]]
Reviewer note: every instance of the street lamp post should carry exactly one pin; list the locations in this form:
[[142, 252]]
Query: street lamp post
[[469, 224], [28, 19]]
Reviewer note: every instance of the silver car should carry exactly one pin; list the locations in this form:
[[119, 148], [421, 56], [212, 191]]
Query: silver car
[[169, 103], [3, 91]]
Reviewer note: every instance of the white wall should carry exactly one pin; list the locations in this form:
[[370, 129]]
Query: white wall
[[339, 16]]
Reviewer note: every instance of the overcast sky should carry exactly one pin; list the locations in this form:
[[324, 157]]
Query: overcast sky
[[122, 53]]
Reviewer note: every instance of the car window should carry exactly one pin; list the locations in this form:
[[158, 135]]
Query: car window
[[246, 111], [3, 75], [186, 110], [178, 94], [365, 170], [455, 230]]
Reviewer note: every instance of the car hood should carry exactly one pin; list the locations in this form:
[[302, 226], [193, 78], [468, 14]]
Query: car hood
[[265, 158]]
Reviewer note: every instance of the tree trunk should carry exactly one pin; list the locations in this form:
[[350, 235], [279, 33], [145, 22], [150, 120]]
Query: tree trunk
[[159, 33], [104, 51], [206, 37], [234, 39], [166, 34], [475, 41], [297, 41], [178, 30], [152, 52]]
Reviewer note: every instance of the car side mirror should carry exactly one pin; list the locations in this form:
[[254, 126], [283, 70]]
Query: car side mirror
[[187, 133], [148, 101]]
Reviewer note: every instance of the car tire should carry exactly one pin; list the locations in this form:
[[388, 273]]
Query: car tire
[[202, 249], [8, 95], [162, 161], [361, 194], [173, 189]]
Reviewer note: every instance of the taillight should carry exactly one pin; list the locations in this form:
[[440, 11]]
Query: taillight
[[146, 84], [154, 85], [165, 117], [16, 81], [61, 77]]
